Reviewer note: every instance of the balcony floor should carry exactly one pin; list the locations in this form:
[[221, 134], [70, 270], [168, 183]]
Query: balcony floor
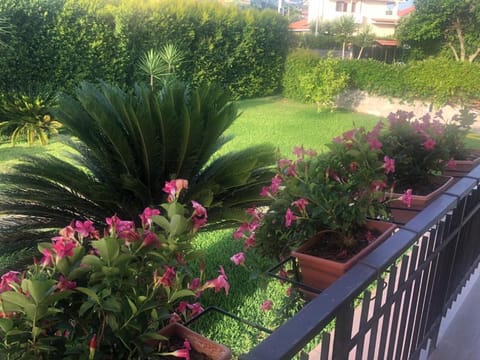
[[459, 336]]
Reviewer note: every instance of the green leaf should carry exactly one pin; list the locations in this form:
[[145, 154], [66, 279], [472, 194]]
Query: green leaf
[[38, 289], [93, 261], [162, 222], [87, 305], [133, 307], [108, 248], [6, 325], [180, 293], [13, 301], [89, 292], [113, 305]]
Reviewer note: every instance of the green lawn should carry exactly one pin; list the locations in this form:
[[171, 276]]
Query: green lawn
[[285, 124]]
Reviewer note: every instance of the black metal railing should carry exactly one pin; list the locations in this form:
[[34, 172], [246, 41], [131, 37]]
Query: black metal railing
[[419, 272]]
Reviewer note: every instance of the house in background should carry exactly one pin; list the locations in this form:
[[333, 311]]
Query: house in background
[[381, 15]]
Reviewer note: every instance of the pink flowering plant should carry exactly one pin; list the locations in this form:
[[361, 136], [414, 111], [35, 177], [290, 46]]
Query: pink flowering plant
[[417, 146], [333, 192], [97, 294]]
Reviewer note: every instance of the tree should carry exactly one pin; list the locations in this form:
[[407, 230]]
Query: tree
[[455, 24], [365, 38], [124, 147], [344, 27]]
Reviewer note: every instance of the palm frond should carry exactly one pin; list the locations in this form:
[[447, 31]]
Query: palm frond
[[123, 146]]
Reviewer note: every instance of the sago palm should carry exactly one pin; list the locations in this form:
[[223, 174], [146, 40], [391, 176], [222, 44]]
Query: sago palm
[[124, 146], [28, 116]]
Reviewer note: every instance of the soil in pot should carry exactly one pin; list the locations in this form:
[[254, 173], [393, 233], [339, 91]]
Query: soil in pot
[[423, 194]]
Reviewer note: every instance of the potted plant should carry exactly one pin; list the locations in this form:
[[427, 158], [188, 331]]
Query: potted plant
[[105, 294], [462, 158], [414, 146], [321, 203]]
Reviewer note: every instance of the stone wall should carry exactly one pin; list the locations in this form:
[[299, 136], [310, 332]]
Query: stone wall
[[360, 101]]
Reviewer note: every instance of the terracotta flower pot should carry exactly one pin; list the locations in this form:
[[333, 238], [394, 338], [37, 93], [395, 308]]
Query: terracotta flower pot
[[463, 167], [198, 342], [320, 273], [401, 213]]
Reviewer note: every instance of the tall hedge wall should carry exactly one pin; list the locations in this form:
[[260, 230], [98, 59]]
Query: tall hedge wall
[[437, 79], [57, 43]]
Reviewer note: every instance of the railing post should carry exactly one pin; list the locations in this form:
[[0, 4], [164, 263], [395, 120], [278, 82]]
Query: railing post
[[343, 332]]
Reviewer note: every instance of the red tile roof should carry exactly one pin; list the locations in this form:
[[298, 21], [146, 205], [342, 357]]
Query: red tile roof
[[406, 11], [386, 42], [301, 25]]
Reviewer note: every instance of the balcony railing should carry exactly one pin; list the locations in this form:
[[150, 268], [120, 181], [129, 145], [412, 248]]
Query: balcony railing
[[390, 305]]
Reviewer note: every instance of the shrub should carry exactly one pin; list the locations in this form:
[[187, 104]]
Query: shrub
[[298, 65], [324, 83], [29, 116], [126, 145]]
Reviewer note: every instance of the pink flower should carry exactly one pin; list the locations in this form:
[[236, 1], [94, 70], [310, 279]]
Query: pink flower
[[195, 309], [7, 279], [220, 282], [84, 228], [249, 242], [273, 188], [147, 215], [174, 187], [378, 185], [388, 164], [199, 216], [47, 258], [63, 247], [406, 198], [301, 204], [181, 353], [182, 307], [174, 318], [348, 135], [429, 144], [451, 164], [299, 151], [151, 239], [240, 232], [267, 305], [194, 284], [64, 284], [289, 217], [167, 278], [238, 259], [310, 152], [119, 226], [67, 232], [375, 144], [186, 344]]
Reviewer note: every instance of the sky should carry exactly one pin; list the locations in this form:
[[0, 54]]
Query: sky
[[406, 4]]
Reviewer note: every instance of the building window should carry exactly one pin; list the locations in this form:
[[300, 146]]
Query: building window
[[341, 6], [390, 6], [353, 6]]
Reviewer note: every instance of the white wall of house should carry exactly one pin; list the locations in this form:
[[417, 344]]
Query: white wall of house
[[382, 15]]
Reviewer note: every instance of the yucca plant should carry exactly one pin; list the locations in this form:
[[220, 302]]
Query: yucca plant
[[125, 145], [159, 64], [28, 116]]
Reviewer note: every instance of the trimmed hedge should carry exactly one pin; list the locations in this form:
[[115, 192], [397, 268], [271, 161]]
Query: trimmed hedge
[[437, 79], [57, 43]]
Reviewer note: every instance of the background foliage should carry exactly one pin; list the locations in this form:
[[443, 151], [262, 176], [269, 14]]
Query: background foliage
[[436, 79], [57, 43]]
